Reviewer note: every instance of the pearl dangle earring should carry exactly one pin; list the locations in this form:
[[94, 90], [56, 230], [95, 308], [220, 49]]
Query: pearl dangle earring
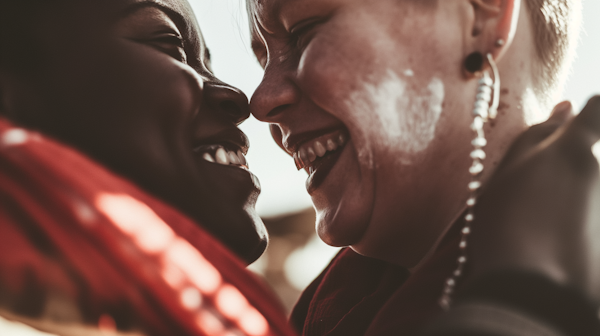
[[488, 91]]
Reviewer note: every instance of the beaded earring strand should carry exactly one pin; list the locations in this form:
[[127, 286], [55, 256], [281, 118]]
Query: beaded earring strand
[[483, 111]]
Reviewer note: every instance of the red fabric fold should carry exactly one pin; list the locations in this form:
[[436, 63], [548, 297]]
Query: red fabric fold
[[71, 228]]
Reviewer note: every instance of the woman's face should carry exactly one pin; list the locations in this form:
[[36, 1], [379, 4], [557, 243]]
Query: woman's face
[[128, 83], [370, 99]]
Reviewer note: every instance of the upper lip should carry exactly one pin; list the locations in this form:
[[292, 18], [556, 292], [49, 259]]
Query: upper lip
[[292, 142], [307, 148], [232, 138]]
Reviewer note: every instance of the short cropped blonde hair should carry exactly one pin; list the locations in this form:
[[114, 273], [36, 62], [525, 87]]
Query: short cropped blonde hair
[[556, 25]]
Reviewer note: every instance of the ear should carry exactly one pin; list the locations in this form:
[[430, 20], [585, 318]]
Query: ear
[[495, 21]]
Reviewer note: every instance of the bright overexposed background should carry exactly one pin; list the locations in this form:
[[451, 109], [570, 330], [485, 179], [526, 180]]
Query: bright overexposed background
[[225, 27]]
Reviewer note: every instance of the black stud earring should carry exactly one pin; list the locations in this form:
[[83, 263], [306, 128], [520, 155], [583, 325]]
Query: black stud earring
[[474, 62]]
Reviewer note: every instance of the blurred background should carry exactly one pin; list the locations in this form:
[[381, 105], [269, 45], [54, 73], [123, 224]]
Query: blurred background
[[295, 255]]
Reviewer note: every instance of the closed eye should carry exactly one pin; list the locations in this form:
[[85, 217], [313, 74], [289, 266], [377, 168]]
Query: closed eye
[[170, 39], [153, 27], [260, 51], [302, 32], [168, 43]]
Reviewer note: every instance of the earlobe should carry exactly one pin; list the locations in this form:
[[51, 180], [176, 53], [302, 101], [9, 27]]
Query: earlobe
[[495, 25]]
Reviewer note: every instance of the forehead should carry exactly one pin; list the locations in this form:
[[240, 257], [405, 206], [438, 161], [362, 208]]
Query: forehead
[[262, 14], [180, 7], [266, 13], [272, 16], [179, 10], [269, 14]]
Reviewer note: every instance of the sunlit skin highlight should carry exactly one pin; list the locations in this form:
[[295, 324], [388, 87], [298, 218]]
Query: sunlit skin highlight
[[412, 131]]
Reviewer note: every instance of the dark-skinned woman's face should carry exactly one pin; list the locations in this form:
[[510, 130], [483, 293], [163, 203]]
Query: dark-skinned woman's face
[[128, 82]]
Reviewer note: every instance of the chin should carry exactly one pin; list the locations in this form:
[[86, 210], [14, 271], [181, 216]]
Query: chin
[[344, 201], [220, 199], [235, 224], [343, 225], [251, 240], [345, 222]]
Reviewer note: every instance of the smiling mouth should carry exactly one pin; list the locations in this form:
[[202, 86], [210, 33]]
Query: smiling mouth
[[226, 155], [311, 153]]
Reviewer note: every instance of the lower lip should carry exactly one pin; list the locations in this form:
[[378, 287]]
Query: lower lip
[[236, 173], [322, 170]]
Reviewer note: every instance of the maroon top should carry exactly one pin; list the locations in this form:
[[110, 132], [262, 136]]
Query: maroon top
[[357, 295]]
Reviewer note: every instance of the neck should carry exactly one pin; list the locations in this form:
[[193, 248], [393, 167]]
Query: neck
[[519, 109]]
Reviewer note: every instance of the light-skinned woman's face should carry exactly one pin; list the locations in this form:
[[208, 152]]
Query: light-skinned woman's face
[[370, 99], [128, 83]]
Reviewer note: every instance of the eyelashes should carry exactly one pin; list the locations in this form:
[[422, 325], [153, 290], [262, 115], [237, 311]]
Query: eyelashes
[[169, 43], [296, 40], [151, 26], [302, 32], [171, 39]]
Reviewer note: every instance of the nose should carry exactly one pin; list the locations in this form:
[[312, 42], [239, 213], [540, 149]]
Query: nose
[[276, 93], [230, 102]]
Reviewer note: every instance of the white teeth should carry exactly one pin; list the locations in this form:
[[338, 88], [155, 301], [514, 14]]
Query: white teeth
[[311, 154], [233, 158], [208, 157], [320, 149], [297, 161], [222, 157], [331, 146], [302, 155], [242, 158]]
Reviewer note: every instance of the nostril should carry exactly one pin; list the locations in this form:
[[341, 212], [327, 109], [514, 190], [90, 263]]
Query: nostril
[[279, 109]]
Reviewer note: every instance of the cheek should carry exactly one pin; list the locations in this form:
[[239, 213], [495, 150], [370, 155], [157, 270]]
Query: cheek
[[161, 92], [331, 69], [385, 85], [149, 100], [394, 107]]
